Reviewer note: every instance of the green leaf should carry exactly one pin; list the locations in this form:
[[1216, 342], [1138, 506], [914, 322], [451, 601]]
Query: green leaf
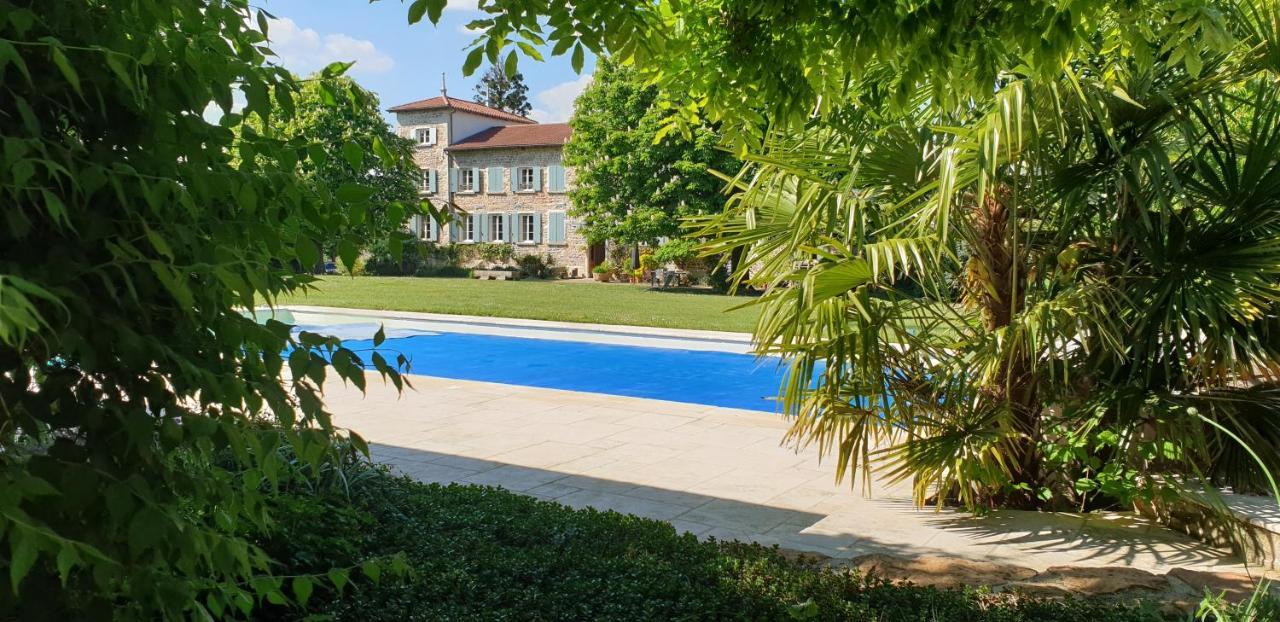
[[579, 57], [22, 555], [335, 69], [474, 58], [64, 66], [511, 64], [353, 154], [379, 336], [352, 192], [339, 578], [347, 252], [380, 150], [372, 569], [302, 587], [417, 10]]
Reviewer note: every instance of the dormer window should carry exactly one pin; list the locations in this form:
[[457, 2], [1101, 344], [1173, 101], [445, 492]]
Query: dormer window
[[426, 136]]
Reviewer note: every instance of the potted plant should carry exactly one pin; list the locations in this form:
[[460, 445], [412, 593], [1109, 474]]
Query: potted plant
[[636, 276], [603, 272]]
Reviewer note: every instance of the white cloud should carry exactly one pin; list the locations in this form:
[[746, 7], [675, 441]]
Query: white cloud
[[462, 5], [555, 105], [303, 50]]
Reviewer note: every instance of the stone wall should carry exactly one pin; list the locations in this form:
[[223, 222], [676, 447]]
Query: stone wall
[[572, 254]]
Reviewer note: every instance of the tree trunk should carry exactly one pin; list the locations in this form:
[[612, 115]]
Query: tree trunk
[[1001, 295]]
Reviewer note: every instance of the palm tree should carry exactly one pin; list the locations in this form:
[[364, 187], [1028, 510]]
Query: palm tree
[[1064, 296]]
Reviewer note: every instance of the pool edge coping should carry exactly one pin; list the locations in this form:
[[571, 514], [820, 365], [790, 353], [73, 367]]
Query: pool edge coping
[[624, 330]]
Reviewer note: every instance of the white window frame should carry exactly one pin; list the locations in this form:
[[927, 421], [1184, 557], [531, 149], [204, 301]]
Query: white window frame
[[469, 230], [467, 181], [425, 136], [525, 226], [497, 227], [520, 179], [424, 181]]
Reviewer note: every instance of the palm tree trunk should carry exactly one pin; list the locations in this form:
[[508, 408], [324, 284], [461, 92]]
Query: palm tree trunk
[[1001, 296]]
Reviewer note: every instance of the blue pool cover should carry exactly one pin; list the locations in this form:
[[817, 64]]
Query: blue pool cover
[[712, 378]]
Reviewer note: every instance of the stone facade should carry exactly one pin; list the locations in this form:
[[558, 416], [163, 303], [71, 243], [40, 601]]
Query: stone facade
[[508, 214]]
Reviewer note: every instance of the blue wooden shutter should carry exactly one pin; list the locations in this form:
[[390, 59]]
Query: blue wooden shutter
[[537, 228], [483, 229], [431, 181], [495, 180], [537, 179], [433, 229], [511, 221], [555, 178], [453, 232], [453, 180], [555, 229], [475, 180]]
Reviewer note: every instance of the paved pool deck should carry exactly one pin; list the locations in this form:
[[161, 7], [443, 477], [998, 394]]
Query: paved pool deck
[[715, 472]]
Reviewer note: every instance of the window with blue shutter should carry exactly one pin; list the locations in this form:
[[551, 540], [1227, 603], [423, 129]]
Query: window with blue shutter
[[495, 180], [555, 228], [433, 229], [555, 178]]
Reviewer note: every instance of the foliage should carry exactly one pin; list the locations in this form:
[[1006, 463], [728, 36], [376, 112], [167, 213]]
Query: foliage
[[496, 90], [1064, 295], [1262, 605], [649, 261], [536, 266], [477, 552], [337, 111], [420, 259], [630, 186], [135, 232], [678, 251], [603, 267], [751, 63]]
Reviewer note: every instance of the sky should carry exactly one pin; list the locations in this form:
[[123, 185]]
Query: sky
[[403, 63]]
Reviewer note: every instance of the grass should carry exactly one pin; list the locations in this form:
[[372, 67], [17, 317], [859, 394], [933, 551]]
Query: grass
[[563, 301]]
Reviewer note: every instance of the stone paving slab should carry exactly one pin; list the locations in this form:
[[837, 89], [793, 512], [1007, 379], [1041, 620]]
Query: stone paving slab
[[716, 472]]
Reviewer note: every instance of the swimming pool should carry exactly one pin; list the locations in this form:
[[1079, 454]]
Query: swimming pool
[[698, 377]]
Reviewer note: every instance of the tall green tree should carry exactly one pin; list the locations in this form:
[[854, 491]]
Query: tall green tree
[[633, 185], [497, 89], [339, 112], [144, 417]]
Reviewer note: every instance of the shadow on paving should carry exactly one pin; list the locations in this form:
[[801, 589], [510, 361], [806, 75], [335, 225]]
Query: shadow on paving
[[888, 526]]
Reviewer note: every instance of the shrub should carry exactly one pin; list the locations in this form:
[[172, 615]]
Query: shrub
[[679, 251], [484, 553], [535, 266], [603, 267]]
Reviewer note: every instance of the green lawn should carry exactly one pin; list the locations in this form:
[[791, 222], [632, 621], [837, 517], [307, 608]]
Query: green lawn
[[564, 301]]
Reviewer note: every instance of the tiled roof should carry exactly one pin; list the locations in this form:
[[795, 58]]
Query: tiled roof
[[546, 135], [436, 103]]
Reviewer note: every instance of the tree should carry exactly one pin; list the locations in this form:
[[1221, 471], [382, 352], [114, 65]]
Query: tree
[[354, 118], [632, 186], [508, 93], [144, 417], [1063, 295], [1025, 249]]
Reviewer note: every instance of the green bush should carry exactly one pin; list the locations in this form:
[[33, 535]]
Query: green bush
[[535, 266], [484, 553]]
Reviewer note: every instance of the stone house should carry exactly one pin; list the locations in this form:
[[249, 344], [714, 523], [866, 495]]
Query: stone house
[[505, 175]]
